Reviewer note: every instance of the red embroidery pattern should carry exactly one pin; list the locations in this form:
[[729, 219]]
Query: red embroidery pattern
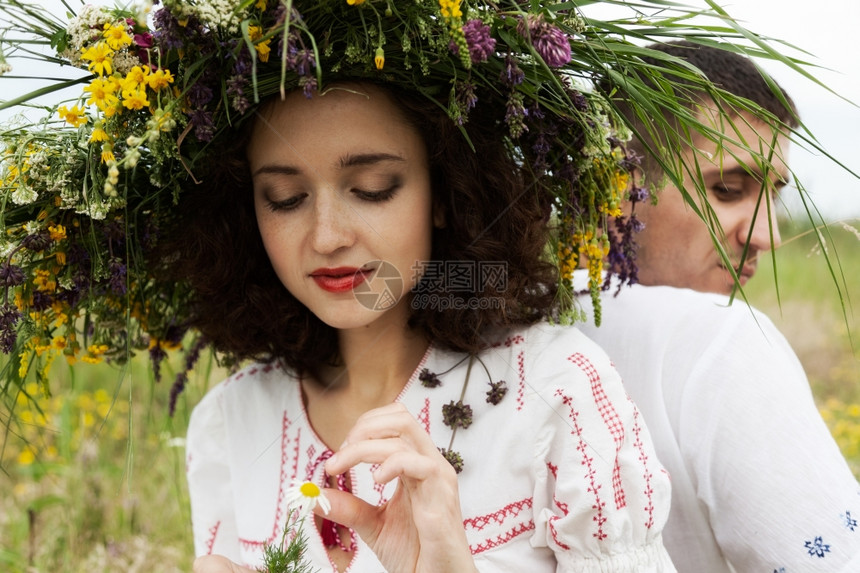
[[510, 341], [498, 518], [502, 538], [286, 477], [590, 474], [553, 469], [213, 532], [643, 457], [610, 418], [521, 385], [511, 510], [424, 415]]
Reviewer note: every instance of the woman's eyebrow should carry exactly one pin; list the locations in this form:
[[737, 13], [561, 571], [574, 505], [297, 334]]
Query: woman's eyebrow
[[368, 159], [277, 169]]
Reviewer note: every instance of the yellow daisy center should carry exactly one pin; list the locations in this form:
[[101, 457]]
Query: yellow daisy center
[[309, 489]]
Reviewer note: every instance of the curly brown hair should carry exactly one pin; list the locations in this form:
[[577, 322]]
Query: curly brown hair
[[491, 214]]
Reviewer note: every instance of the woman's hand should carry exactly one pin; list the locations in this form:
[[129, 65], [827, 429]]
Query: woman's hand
[[218, 564], [420, 529]]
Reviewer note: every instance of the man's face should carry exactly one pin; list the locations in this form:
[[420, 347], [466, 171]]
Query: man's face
[[676, 249]]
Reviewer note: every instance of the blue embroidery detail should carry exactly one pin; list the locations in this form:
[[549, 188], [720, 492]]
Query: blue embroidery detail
[[849, 522], [817, 548]]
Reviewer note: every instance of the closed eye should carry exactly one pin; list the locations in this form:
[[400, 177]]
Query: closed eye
[[286, 204], [376, 196], [727, 193]]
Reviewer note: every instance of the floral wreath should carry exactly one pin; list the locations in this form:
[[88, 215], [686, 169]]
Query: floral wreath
[[86, 190]]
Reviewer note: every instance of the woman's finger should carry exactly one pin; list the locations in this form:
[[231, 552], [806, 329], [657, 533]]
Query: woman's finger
[[350, 511]]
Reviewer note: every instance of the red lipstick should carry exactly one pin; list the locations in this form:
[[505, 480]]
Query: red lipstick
[[339, 279]]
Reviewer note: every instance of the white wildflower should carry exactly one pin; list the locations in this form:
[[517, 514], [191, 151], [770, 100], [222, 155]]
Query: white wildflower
[[306, 495], [124, 61], [23, 194], [223, 14]]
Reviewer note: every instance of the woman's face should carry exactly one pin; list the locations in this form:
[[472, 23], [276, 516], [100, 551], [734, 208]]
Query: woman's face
[[343, 202]]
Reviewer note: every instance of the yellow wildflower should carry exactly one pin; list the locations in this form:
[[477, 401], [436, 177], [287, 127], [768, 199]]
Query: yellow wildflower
[[57, 232], [135, 79], [61, 257], [94, 353], [100, 57], [449, 8], [107, 153], [26, 457], [102, 93], [74, 116], [99, 134], [355, 2], [163, 344], [135, 99], [260, 5], [159, 79], [44, 282], [263, 49], [59, 342], [379, 58], [116, 35]]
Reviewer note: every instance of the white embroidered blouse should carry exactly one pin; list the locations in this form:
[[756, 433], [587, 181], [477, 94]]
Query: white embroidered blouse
[[560, 475]]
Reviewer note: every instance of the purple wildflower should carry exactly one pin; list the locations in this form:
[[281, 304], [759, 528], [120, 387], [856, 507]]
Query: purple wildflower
[[457, 415], [168, 33], [11, 275], [305, 62], [551, 44], [181, 380], [204, 127], [516, 114], [38, 241], [481, 43], [308, 85], [114, 231], [466, 95], [199, 95], [512, 75], [496, 392], [453, 458], [639, 194], [622, 251], [156, 357], [118, 273], [9, 316], [175, 390], [41, 301], [429, 379]]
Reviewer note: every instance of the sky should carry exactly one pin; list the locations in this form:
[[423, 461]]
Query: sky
[[828, 30]]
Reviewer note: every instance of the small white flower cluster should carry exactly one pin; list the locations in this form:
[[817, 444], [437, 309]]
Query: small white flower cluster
[[124, 61], [86, 27], [5, 68], [223, 14]]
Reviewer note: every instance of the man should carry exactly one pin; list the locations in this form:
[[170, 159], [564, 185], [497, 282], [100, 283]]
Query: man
[[758, 482]]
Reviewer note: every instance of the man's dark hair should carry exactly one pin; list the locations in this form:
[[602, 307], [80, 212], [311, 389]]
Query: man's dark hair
[[729, 72]]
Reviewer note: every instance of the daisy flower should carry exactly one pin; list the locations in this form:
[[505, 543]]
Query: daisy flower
[[307, 495]]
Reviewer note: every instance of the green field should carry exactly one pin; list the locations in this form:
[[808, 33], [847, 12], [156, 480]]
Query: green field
[[95, 481]]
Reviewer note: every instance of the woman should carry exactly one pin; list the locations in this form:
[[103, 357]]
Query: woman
[[368, 401]]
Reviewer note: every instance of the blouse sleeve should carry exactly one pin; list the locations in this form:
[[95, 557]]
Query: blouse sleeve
[[780, 495], [601, 496], [209, 481]]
